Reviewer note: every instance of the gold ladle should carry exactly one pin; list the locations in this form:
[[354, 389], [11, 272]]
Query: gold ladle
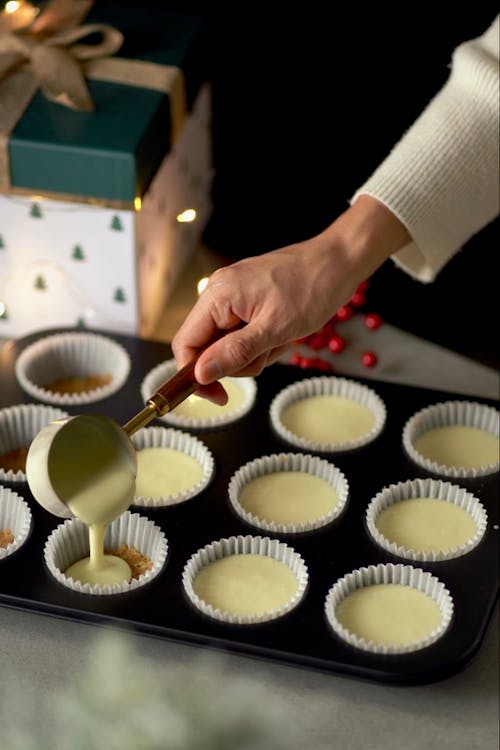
[[70, 457]]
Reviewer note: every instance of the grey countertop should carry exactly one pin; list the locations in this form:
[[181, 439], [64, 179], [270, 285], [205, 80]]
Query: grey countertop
[[42, 658]]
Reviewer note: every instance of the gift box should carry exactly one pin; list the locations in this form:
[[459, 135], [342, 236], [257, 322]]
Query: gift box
[[101, 207]]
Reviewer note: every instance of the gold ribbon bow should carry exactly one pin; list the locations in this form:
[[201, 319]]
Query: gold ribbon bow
[[58, 65], [55, 61]]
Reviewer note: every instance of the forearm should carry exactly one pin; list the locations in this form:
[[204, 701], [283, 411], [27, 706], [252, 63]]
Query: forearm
[[441, 179]]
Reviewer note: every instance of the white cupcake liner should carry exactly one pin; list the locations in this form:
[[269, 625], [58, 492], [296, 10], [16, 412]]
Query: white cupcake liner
[[327, 386], [18, 426], [15, 515], [446, 414], [281, 462], [69, 542], [240, 545], [68, 355], [405, 575], [432, 488], [164, 371], [162, 437]]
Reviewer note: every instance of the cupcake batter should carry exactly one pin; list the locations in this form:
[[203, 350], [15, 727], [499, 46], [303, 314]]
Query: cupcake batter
[[328, 419], [460, 446], [288, 497], [389, 614], [200, 408], [426, 524], [165, 472], [246, 584], [96, 505]]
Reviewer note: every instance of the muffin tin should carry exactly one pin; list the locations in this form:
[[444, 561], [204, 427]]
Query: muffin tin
[[303, 636]]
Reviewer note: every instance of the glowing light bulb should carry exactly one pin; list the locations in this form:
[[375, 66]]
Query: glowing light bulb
[[202, 285], [18, 15], [186, 216], [2, 309], [137, 203]]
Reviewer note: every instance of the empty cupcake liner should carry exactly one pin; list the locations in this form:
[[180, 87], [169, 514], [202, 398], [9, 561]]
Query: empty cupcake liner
[[405, 575], [446, 414], [162, 372], [428, 488], [241, 545], [296, 462], [162, 437], [18, 426], [69, 542], [15, 515], [327, 386], [69, 355]]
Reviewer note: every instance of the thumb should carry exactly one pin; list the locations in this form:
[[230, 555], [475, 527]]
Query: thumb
[[230, 354]]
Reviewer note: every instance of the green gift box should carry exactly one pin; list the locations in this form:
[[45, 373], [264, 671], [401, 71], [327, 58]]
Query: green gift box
[[105, 207], [111, 153]]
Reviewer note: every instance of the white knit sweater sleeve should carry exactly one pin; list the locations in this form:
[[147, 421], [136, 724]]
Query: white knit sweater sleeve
[[442, 179]]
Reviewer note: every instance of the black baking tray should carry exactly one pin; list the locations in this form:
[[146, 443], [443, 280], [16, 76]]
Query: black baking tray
[[302, 637]]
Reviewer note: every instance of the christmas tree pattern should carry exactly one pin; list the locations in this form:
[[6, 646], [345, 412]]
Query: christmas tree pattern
[[119, 295], [36, 211], [40, 283], [80, 323], [78, 253], [116, 224], [2, 243]]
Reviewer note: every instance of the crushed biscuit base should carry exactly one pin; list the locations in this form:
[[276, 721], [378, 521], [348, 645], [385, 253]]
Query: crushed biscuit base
[[6, 537], [15, 460], [138, 563], [78, 384]]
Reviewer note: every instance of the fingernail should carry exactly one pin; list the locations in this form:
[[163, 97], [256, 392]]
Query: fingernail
[[211, 371]]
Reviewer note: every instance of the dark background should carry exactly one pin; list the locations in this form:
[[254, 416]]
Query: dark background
[[306, 103]]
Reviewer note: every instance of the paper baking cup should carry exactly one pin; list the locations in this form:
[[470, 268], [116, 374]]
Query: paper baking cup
[[69, 355], [18, 426], [162, 437], [15, 515], [241, 545], [405, 575], [447, 414], [164, 371], [426, 488], [69, 542], [296, 462], [327, 386]]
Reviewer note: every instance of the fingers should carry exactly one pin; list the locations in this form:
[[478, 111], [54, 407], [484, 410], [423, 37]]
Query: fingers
[[213, 392]]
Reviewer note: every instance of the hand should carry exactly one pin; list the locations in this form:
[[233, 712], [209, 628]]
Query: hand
[[278, 297]]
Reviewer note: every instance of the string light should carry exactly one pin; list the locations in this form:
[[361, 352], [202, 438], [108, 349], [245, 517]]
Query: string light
[[186, 216], [12, 6], [17, 14], [202, 285], [137, 203], [2, 309]]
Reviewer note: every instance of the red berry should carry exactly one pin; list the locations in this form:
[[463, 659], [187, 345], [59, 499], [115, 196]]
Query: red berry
[[296, 359], [328, 329], [317, 341], [373, 321], [323, 364], [307, 362], [358, 299], [344, 313], [364, 286], [369, 359], [336, 344]]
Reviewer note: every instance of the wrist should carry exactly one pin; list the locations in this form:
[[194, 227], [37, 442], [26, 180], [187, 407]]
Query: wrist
[[367, 234]]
